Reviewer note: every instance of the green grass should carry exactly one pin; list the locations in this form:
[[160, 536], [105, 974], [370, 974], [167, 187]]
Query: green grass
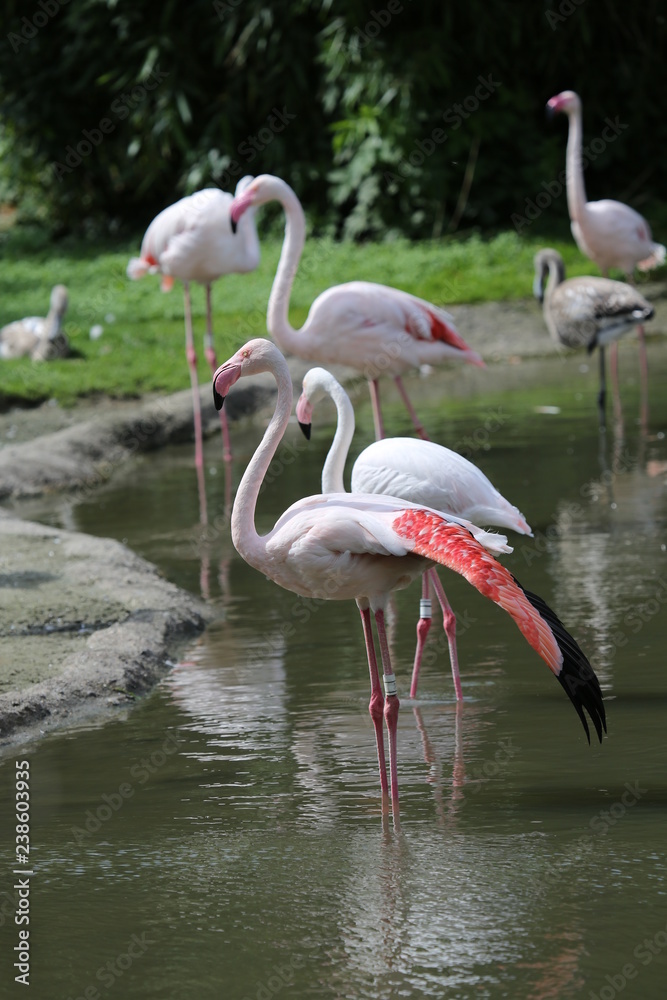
[[142, 347]]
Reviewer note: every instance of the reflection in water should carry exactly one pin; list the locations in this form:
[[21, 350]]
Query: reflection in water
[[607, 559]]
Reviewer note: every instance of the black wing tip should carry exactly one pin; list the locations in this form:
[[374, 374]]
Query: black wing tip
[[576, 677], [306, 428], [218, 400]]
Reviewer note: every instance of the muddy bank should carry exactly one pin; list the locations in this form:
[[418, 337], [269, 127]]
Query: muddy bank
[[82, 621]]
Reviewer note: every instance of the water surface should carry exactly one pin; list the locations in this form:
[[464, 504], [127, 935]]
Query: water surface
[[224, 838]]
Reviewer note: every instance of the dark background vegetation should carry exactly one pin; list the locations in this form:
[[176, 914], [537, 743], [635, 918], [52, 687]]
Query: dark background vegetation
[[362, 100]]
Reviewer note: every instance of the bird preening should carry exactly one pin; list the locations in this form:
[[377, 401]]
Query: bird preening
[[588, 312], [362, 547]]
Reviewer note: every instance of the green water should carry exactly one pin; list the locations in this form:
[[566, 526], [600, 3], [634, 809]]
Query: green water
[[224, 837]]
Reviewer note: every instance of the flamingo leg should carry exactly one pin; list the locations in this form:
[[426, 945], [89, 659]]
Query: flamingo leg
[[374, 387], [191, 356], [410, 408], [209, 350], [449, 625], [391, 704], [376, 704], [423, 627]]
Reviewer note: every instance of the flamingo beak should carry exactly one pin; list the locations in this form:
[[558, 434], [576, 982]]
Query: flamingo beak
[[239, 205], [234, 226], [538, 288], [304, 415], [552, 107], [223, 379]]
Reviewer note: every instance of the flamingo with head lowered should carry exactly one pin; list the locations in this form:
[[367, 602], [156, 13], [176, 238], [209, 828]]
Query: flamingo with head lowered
[[192, 240], [374, 328], [356, 546], [610, 233], [422, 472]]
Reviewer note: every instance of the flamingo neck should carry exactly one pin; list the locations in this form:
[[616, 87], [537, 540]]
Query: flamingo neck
[[277, 318], [576, 191], [247, 230], [250, 545], [332, 473]]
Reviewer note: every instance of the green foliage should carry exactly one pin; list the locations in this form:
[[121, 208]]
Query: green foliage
[[188, 95]]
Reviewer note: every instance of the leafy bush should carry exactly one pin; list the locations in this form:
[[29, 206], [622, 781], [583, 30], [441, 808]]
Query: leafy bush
[[417, 119]]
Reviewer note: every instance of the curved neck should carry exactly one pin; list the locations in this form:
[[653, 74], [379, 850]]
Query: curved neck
[[332, 473], [574, 172], [277, 319], [247, 542], [248, 231]]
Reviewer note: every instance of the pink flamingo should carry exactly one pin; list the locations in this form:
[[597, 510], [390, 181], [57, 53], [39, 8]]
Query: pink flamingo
[[376, 329], [193, 240], [610, 233], [422, 472], [355, 546]]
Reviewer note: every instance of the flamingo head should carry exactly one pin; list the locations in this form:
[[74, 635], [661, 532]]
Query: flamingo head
[[567, 101], [59, 300], [253, 358], [256, 192], [317, 383]]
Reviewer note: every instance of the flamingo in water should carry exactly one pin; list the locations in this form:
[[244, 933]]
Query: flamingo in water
[[357, 546], [587, 311], [193, 240], [611, 234], [376, 329], [422, 472]]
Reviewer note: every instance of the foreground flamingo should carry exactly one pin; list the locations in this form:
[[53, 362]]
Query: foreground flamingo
[[347, 546], [419, 471], [192, 240], [376, 329], [40, 337], [611, 234], [586, 312]]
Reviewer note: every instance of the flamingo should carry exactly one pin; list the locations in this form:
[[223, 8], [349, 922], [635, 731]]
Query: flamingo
[[588, 311], [341, 546], [40, 337], [611, 234], [373, 328], [192, 240], [422, 472]]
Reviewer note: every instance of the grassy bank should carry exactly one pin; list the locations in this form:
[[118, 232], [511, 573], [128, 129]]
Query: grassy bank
[[141, 348]]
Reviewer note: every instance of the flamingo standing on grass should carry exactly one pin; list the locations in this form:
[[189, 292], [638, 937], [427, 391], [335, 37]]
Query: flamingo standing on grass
[[355, 546], [193, 240], [611, 234], [422, 472], [587, 312], [376, 329]]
